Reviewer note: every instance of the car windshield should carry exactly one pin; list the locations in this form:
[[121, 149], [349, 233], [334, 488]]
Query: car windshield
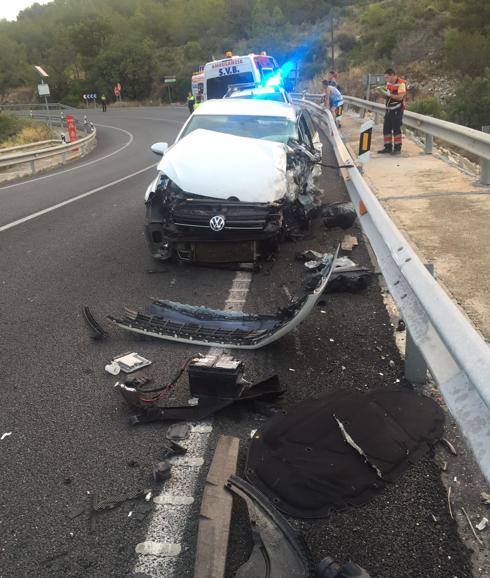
[[275, 128]]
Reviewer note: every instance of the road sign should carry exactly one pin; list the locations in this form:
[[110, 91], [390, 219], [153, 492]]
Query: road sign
[[117, 91], [169, 79], [43, 89], [373, 79], [90, 96], [118, 86]]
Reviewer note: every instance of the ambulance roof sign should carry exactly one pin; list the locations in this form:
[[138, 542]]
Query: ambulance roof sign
[[41, 71]]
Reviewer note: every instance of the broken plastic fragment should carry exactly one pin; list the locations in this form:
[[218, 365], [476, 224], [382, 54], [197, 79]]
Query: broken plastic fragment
[[6, 434], [158, 549], [203, 326], [482, 525], [129, 362]]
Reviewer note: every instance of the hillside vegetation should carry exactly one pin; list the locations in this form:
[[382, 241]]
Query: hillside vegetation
[[442, 47], [89, 46]]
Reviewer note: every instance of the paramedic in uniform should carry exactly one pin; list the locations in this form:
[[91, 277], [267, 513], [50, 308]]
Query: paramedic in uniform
[[395, 94]]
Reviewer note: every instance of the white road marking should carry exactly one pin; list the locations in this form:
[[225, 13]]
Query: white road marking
[[173, 500], [158, 549], [169, 521], [131, 138], [73, 199]]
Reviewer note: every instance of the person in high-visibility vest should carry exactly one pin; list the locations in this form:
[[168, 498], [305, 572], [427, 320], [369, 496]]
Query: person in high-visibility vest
[[103, 100], [395, 93], [191, 102]]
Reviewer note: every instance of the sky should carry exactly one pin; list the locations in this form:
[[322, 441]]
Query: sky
[[10, 8]]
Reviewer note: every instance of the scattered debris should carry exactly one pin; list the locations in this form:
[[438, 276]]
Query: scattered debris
[[178, 431], [98, 333], [434, 518], [171, 449], [172, 500], [133, 463], [217, 375], [328, 568], [113, 368], [129, 362], [485, 498], [268, 390], [482, 524], [341, 215], [449, 446], [278, 549], [158, 549], [111, 503], [348, 278], [478, 539], [140, 512], [203, 326], [401, 326], [449, 501], [349, 242], [5, 435], [309, 255], [215, 513], [444, 466], [397, 428], [162, 471]]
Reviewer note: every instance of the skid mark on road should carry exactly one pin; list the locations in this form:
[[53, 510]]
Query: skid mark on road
[[72, 200], [173, 505], [51, 175]]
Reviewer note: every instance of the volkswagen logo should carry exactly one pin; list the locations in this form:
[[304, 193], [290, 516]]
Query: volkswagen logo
[[217, 223]]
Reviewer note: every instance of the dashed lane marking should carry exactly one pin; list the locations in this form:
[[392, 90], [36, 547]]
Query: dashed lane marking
[[72, 200], [170, 518]]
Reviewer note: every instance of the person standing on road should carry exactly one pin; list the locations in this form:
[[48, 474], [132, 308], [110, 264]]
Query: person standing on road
[[103, 100], [395, 93], [191, 101]]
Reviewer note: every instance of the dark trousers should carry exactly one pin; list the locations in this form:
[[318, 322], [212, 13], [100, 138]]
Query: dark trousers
[[392, 129]]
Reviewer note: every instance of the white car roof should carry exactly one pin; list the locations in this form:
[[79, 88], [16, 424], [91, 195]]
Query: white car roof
[[247, 107]]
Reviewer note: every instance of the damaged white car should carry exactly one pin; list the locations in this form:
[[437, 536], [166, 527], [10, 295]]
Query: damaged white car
[[239, 178]]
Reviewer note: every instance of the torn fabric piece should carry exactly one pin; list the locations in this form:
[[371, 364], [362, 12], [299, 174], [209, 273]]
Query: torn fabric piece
[[300, 458]]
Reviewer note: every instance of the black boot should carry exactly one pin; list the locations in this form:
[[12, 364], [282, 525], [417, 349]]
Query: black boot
[[387, 150]]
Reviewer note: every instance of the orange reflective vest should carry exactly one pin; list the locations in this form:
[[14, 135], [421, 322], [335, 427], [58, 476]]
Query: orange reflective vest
[[397, 87]]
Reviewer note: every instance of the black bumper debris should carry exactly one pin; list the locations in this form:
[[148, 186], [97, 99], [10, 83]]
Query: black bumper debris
[[203, 326], [278, 550]]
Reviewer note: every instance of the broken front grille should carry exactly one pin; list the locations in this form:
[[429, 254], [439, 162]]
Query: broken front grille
[[197, 213]]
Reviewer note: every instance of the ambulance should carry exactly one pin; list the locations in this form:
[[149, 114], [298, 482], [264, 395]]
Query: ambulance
[[220, 75], [197, 82]]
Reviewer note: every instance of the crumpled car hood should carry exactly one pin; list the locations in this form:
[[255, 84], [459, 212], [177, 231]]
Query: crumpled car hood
[[218, 165]]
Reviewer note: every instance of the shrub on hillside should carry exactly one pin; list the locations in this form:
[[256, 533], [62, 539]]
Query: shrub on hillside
[[430, 106], [471, 103]]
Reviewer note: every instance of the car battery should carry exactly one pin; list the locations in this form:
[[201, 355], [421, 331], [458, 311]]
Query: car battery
[[216, 376]]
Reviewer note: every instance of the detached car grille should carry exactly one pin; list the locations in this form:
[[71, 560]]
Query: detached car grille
[[196, 213]]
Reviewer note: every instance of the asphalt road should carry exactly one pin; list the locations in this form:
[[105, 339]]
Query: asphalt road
[[70, 435]]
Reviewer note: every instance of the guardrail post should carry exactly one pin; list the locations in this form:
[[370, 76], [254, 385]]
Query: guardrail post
[[33, 167], [362, 112], [376, 118], [429, 141], [485, 171], [415, 364]]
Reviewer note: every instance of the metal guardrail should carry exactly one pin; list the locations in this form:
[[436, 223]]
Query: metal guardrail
[[52, 106], [457, 356], [81, 146], [468, 139]]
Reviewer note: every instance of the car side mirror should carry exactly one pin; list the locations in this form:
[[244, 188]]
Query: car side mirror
[[159, 148]]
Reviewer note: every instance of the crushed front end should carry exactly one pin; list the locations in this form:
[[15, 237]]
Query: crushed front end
[[202, 229]]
